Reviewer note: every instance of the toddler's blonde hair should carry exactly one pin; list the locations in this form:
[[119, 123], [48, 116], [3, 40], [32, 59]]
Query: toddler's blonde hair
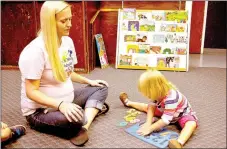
[[154, 85]]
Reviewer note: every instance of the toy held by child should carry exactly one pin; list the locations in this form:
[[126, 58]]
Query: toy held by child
[[167, 103]]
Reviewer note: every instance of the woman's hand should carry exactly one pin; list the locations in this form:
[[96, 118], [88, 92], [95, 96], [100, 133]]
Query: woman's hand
[[71, 111], [99, 83], [145, 129]]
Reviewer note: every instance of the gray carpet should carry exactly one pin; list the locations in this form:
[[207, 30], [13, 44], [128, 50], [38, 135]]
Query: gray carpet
[[204, 87]]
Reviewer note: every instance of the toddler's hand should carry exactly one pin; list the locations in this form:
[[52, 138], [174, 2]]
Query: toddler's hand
[[145, 129]]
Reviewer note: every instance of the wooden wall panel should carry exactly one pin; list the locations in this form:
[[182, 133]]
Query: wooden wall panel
[[151, 5], [76, 32], [22, 24], [91, 9], [108, 27], [18, 29], [196, 26]]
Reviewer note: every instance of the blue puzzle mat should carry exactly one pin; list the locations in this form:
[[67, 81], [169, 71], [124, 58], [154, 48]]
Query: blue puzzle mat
[[159, 139]]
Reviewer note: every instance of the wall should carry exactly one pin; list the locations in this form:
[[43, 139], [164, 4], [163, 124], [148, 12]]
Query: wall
[[18, 28], [23, 21], [216, 28]]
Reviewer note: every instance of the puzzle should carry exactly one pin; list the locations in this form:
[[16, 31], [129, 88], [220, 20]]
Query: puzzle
[[159, 139]]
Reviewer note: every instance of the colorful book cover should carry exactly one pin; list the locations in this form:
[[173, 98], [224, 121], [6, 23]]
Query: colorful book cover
[[170, 38], [168, 50], [129, 13], [129, 38], [181, 28], [132, 48], [133, 25], [124, 25], [155, 50], [178, 16], [172, 62], [147, 26], [168, 28], [161, 62], [101, 50], [144, 48], [125, 60], [143, 15], [158, 15], [181, 39], [140, 60], [158, 38], [181, 50], [141, 37]]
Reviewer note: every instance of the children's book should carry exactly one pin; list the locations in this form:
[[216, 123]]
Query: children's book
[[143, 15], [129, 13], [159, 139], [132, 48], [101, 51], [161, 62], [158, 15], [133, 25], [178, 16], [140, 60], [146, 25], [141, 37], [129, 38], [125, 60]]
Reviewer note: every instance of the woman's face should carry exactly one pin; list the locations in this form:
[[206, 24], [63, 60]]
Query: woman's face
[[63, 20]]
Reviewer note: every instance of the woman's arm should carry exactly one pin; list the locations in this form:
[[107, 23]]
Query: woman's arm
[[79, 79], [83, 80], [71, 111], [33, 93]]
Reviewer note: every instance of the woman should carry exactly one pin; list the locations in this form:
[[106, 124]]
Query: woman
[[48, 99]]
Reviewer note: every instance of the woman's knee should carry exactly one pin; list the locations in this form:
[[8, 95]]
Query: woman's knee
[[105, 90]]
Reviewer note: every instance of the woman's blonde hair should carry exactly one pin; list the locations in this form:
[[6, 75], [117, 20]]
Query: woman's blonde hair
[[49, 33], [154, 85]]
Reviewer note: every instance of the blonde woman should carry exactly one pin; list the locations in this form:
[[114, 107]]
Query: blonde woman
[[48, 99], [167, 102]]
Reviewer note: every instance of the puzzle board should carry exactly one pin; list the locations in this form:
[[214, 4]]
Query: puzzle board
[[159, 139]]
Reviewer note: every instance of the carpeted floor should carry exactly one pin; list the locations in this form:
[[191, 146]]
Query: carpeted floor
[[204, 87]]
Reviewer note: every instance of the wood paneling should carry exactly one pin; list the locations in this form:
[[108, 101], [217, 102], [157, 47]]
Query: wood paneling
[[151, 5], [91, 9], [196, 26], [108, 27], [20, 26], [77, 34], [18, 29], [95, 30]]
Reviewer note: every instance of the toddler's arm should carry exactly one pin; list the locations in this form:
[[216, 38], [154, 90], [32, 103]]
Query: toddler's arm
[[150, 114], [158, 125]]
